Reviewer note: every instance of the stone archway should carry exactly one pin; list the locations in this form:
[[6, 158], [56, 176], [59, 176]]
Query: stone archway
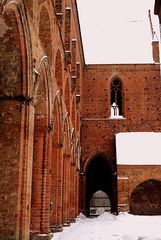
[[146, 198], [99, 177]]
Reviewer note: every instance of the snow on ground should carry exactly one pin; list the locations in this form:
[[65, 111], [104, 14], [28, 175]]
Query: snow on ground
[[109, 227]]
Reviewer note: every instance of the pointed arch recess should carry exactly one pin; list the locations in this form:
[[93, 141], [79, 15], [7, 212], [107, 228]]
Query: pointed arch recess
[[44, 69], [45, 32], [22, 76]]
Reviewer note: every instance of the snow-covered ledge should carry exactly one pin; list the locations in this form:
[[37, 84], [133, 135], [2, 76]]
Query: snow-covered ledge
[[116, 117], [138, 148]]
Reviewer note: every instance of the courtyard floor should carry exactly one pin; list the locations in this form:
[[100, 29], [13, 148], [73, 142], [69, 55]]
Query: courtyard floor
[[109, 227]]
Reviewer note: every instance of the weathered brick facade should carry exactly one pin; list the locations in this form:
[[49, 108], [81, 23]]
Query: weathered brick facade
[[55, 120], [40, 80], [141, 94]]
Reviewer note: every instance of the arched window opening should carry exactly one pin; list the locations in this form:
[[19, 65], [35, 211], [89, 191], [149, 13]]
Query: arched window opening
[[116, 98], [99, 203]]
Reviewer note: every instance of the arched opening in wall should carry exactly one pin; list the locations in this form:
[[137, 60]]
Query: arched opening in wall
[[45, 33], [146, 198], [99, 203], [99, 180], [116, 98], [58, 71], [67, 96]]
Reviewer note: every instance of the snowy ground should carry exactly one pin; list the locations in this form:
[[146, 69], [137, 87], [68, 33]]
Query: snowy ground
[[109, 227]]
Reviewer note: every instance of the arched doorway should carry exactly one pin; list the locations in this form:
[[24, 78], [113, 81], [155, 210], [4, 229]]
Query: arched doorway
[[146, 198], [99, 181], [99, 203]]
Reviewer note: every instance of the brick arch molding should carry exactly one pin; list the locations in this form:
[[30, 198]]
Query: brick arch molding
[[26, 46]]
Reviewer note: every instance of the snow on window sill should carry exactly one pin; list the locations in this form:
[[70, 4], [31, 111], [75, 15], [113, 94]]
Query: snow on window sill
[[116, 117]]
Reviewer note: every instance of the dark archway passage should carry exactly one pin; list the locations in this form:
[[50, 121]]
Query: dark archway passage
[[99, 177], [146, 198]]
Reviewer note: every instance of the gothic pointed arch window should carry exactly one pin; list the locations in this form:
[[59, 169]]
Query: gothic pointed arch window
[[116, 98]]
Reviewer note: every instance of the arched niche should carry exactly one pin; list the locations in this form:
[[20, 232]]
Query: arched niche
[[16, 121], [11, 62], [45, 33], [146, 198]]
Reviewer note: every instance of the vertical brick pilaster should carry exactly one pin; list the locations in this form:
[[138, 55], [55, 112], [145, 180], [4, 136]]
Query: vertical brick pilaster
[[65, 190], [123, 193], [82, 193], [77, 192], [40, 203], [27, 170], [68, 190], [46, 185], [56, 188], [37, 181], [72, 193], [15, 166]]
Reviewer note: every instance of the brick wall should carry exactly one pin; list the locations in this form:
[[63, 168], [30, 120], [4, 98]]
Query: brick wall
[[141, 94], [35, 176]]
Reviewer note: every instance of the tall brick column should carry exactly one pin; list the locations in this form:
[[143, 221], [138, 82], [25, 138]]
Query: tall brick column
[[77, 192], [16, 132], [68, 191], [82, 193], [123, 193], [72, 193], [40, 203], [65, 190], [56, 224]]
